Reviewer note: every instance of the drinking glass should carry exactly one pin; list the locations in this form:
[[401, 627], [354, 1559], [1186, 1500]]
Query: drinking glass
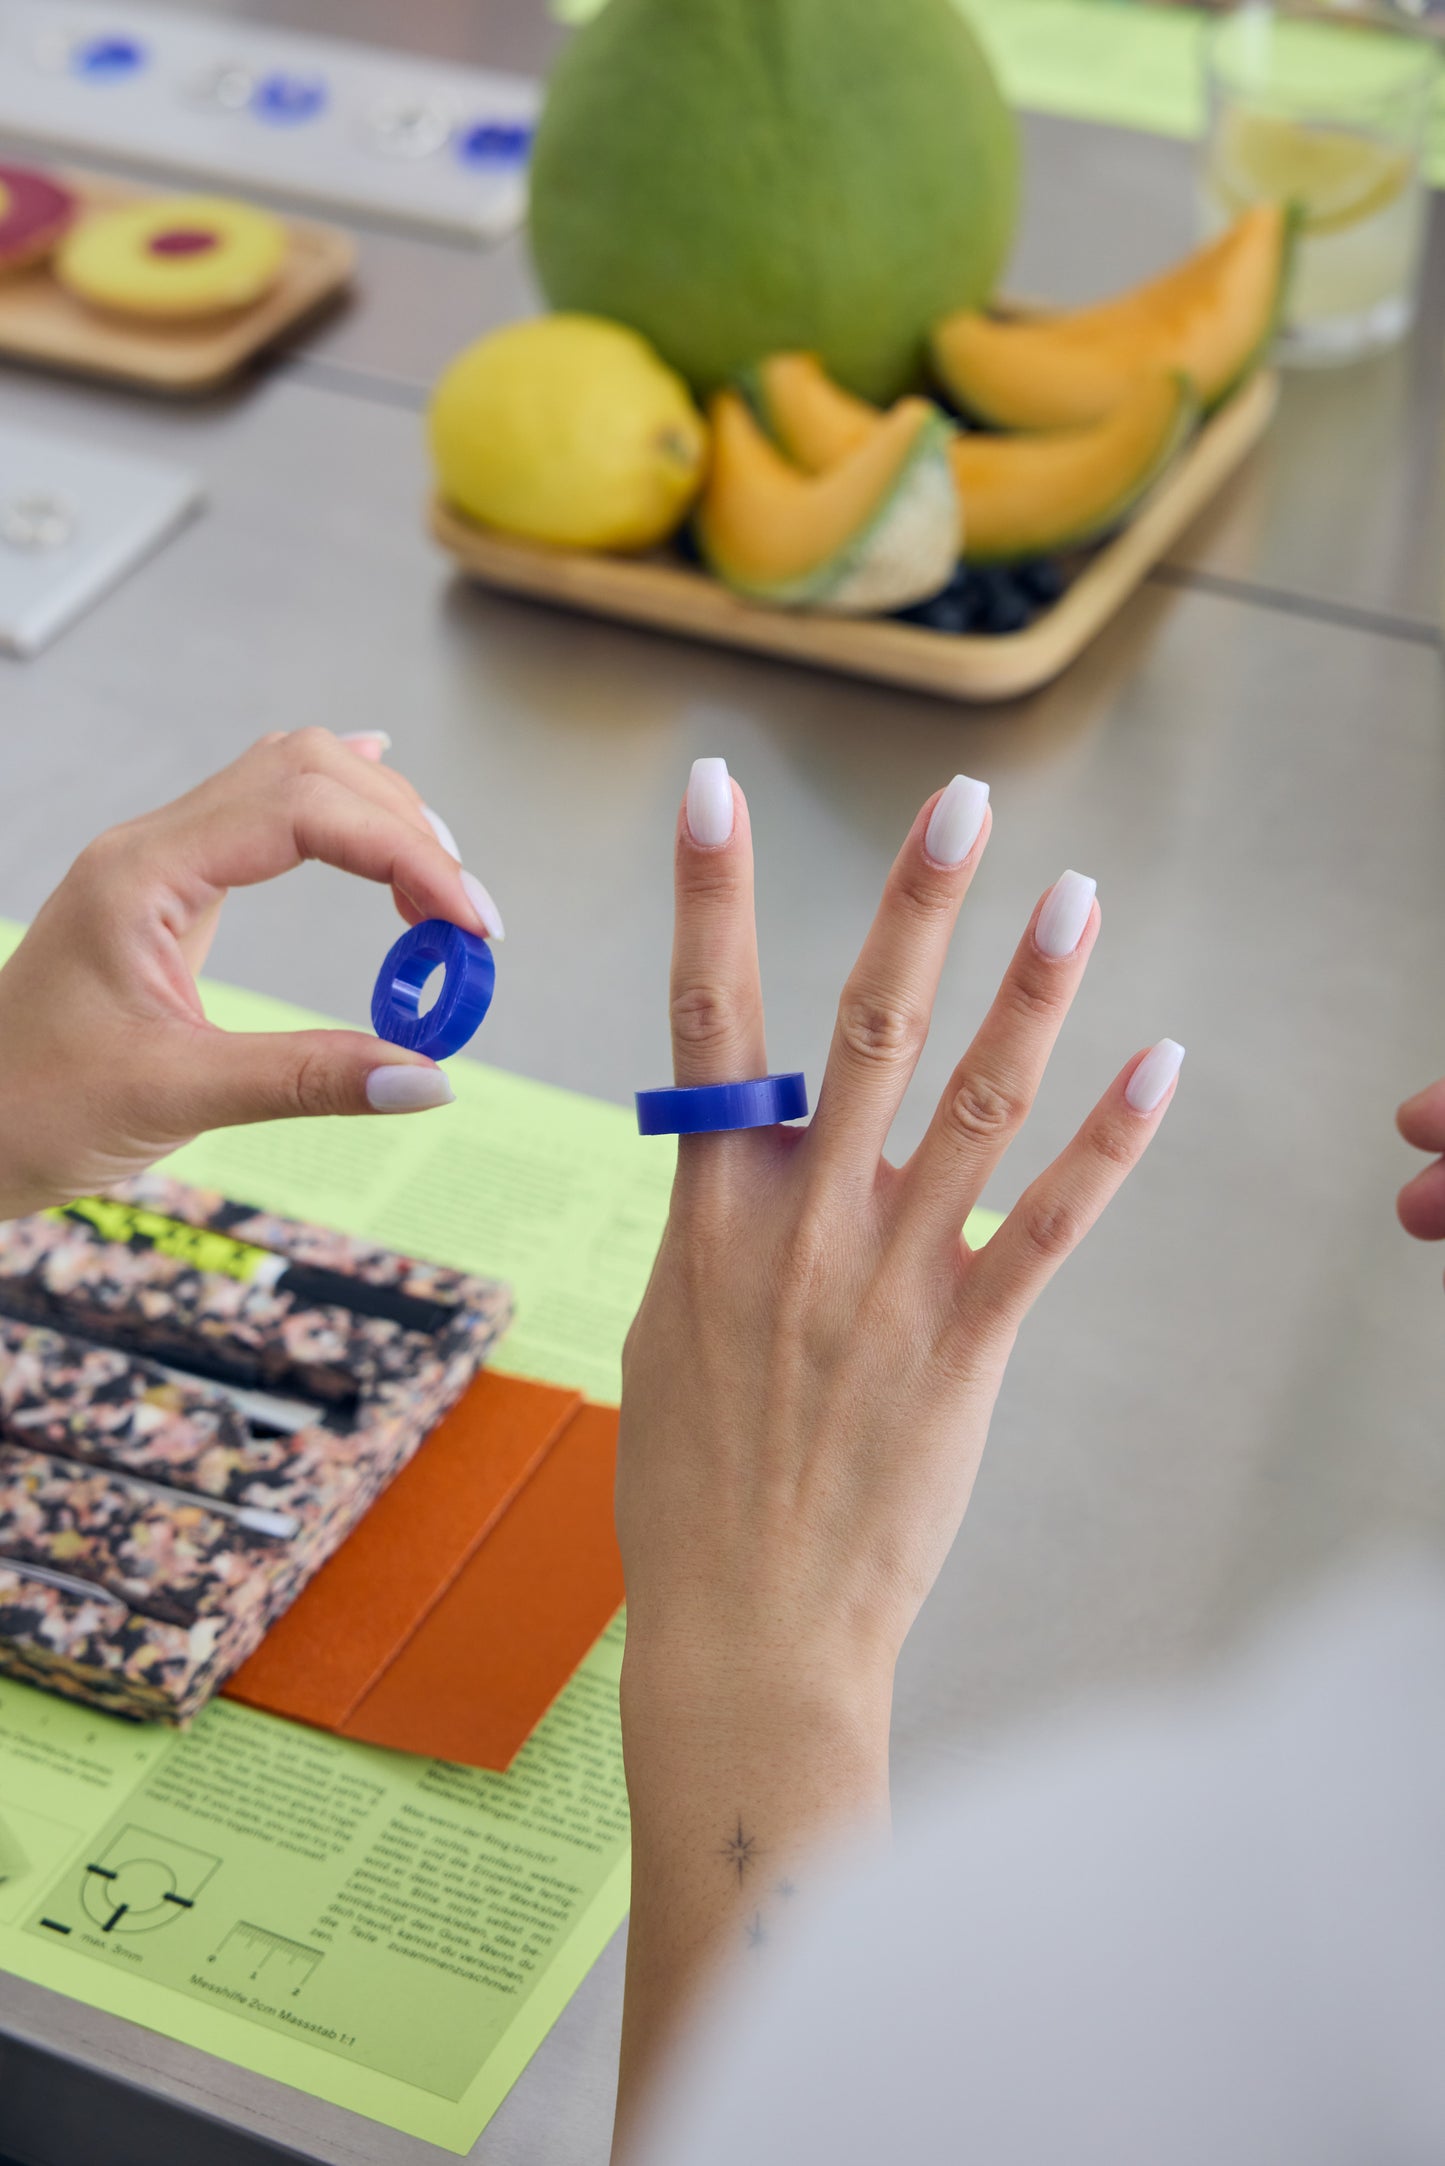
[[1329, 115]]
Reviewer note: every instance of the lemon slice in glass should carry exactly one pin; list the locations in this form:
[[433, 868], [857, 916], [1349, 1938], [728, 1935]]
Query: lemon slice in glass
[[1336, 178]]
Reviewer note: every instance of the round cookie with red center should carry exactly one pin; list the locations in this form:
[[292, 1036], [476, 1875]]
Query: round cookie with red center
[[34, 212], [174, 258]]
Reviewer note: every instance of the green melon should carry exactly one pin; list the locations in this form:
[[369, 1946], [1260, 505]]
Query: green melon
[[735, 178]]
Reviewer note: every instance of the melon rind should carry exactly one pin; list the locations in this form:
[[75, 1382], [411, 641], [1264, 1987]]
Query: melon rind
[[906, 550], [913, 545]]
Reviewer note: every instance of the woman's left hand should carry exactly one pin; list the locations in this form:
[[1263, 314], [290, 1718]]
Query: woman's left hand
[[809, 1382], [107, 1061]]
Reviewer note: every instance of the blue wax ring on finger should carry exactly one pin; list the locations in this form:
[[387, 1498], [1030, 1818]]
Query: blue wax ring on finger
[[460, 1006], [708, 1109]]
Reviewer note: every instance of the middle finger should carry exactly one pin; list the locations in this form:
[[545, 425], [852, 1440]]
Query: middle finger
[[884, 1013]]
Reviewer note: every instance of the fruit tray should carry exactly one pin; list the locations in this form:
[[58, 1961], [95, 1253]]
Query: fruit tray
[[671, 595], [43, 324]]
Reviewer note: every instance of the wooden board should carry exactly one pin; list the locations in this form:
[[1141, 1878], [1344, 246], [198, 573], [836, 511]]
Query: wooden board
[[41, 323], [676, 597]]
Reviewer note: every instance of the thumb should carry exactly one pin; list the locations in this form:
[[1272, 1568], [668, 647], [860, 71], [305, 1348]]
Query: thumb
[[235, 1077]]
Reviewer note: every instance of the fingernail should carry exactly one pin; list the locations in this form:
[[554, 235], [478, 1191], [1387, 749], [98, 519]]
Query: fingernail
[[482, 903], [1065, 914], [1153, 1076], [400, 1089], [957, 818], [442, 832], [370, 744], [709, 803]]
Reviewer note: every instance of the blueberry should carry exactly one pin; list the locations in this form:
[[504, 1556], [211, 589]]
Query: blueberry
[[955, 608], [953, 613], [934, 615], [1005, 607], [1042, 579], [685, 542]]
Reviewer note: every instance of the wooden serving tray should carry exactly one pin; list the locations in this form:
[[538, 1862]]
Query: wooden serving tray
[[41, 323], [676, 597]]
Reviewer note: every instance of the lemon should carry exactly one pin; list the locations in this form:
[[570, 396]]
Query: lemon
[[1335, 178], [568, 429]]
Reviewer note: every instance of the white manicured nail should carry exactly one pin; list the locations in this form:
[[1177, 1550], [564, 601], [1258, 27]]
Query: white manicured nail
[[363, 740], [482, 903], [401, 1089], [709, 803], [957, 818], [1153, 1076], [442, 832], [1065, 914]]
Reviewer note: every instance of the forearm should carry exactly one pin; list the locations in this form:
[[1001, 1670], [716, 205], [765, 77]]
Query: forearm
[[734, 1775]]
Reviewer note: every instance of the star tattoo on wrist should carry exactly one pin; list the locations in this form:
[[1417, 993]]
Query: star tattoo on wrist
[[741, 1850]]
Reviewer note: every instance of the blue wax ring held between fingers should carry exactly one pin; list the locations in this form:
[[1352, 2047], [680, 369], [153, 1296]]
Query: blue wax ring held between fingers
[[460, 1006], [707, 1109]]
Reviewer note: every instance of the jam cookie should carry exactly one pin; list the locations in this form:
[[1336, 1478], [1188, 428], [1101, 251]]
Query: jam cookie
[[174, 259], [34, 212]]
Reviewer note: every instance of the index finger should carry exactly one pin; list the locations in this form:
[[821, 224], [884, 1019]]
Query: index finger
[[257, 835], [717, 996]]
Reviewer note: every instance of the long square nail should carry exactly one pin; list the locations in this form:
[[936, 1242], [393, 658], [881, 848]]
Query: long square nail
[[1067, 909], [709, 803], [957, 818], [1153, 1076]]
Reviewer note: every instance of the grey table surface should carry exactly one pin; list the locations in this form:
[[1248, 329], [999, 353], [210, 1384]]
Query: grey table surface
[[1240, 1385]]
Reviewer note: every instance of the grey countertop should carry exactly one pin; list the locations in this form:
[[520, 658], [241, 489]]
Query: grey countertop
[[1241, 1382]]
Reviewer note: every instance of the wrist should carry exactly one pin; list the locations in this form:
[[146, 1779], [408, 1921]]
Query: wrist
[[788, 1713], [24, 1190], [21, 1197], [739, 1648]]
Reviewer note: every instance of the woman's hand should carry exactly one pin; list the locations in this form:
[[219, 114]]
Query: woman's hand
[[808, 1385], [1421, 1121], [106, 1059]]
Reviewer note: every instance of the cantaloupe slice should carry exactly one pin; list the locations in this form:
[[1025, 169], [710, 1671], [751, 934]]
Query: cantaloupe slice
[[878, 530], [1211, 318], [1029, 496], [813, 420], [1023, 496]]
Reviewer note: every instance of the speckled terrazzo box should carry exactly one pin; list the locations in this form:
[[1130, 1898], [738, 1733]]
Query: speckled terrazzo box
[[152, 1525]]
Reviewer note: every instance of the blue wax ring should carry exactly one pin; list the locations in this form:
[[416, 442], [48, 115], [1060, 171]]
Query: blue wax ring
[[706, 1109], [463, 1001]]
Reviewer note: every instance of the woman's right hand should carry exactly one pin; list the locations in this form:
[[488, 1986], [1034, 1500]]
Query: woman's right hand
[[107, 1061], [809, 1383]]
